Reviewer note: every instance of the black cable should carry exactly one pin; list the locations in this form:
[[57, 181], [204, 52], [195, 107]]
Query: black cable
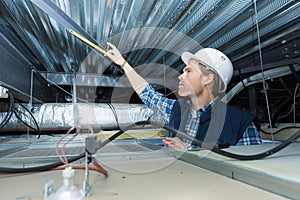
[[291, 66], [120, 132], [112, 108], [37, 129], [215, 148], [26, 124], [260, 155], [40, 168], [9, 112], [278, 131], [75, 158], [72, 159], [241, 77]]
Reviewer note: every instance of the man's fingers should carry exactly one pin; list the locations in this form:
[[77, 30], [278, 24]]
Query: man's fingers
[[110, 44], [174, 143], [113, 47]]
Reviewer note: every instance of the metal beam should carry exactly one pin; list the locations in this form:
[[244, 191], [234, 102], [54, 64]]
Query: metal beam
[[61, 17], [94, 80]]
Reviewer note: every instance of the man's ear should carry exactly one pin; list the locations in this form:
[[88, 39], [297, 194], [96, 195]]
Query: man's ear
[[208, 79]]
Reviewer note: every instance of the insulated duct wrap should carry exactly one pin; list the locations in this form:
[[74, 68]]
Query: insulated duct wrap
[[54, 116]]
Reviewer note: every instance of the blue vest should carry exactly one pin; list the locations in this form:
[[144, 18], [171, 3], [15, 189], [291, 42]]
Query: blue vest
[[221, 123]]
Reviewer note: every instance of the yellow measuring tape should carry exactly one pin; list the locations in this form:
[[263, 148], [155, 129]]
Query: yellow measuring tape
[[86, 41]]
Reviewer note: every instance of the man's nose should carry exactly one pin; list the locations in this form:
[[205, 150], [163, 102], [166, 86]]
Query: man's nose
[[180, 77]]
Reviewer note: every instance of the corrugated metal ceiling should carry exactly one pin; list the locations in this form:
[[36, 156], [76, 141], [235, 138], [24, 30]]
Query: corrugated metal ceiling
[[148, 31]]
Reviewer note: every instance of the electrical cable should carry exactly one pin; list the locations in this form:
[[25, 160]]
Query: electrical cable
[[63, 158], [289, 111], [280, 108], [60, 164], [292, 68], [215, 148], [241, 77], [25, 123], [257, 78], [97, 168], [114, 113], [294, 102], [10, 110], [284, 128], [40, 168]]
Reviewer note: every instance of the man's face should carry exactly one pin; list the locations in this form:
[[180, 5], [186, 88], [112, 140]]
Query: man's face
[[191, 80]]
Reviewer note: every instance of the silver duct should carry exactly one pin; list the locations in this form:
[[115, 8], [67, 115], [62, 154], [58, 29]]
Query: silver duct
[[62, 116]]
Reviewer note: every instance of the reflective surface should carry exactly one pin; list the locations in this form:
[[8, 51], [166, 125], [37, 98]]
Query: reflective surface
[[227, 25]]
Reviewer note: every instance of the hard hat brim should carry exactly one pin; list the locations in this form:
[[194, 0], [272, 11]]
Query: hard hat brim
[[187, 56]]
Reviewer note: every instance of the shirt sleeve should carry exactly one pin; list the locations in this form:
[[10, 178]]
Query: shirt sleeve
[[157, 102], [250, 136]]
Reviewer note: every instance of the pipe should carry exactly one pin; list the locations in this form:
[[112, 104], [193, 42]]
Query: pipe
[[60, 116]]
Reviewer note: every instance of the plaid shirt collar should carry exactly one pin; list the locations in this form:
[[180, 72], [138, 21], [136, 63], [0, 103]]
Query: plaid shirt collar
[[202, 110]]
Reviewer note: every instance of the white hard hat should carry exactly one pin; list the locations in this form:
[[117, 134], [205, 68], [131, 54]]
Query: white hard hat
[[215, 60]]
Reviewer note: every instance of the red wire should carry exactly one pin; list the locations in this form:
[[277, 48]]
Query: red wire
[[100, 168], [97, 168], [65, 160], [63, 147], [77, 167]]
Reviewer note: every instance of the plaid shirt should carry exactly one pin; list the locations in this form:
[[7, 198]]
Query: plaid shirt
[[163, 106], [193, 121]]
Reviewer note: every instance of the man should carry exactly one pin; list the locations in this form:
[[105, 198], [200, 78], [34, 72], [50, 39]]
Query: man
[[202, 116]]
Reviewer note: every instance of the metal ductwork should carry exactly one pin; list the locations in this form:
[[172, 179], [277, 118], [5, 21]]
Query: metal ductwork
[[61, 117]]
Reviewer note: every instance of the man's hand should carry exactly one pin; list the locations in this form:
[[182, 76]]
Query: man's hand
[[114, 54], [175, 143]]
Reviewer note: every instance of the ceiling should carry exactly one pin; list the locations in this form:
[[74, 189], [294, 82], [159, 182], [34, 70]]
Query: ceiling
[[40, 57]]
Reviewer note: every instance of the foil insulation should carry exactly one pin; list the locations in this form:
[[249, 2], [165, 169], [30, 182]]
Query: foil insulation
[[54, 116]]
